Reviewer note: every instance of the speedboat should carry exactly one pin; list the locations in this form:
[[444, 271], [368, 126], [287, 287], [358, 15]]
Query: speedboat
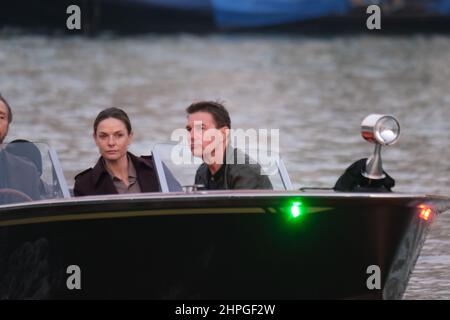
[[187, 243]]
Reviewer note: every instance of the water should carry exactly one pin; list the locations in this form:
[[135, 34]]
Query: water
[[315, 90]]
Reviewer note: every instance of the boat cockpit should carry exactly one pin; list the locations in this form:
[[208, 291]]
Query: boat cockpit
[[176, 166], [32, 171]]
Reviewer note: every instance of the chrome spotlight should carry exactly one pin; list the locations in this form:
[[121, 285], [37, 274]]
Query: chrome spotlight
[[382, 130]]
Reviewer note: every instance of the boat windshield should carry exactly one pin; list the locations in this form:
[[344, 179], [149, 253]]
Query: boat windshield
[[30, 171], [177, 167]]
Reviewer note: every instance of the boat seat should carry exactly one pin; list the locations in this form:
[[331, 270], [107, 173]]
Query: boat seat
[[28, 150]]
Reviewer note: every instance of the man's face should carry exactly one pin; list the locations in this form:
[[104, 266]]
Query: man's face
[[4, 122], [204, 136], [112, 139]]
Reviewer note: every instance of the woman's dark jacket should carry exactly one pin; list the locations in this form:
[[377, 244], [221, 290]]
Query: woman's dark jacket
[[97, 180]]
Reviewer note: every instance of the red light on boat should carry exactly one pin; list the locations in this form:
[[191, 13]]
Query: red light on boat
[[425, 212]]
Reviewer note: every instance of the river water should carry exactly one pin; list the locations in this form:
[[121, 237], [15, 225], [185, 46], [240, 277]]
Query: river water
[[315, 91]]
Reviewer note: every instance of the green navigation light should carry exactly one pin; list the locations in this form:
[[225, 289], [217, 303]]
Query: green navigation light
[[296, 210]]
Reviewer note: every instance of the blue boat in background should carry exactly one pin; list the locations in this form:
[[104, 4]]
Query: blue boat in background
[[260, 13], [250, 13], [223, 15]]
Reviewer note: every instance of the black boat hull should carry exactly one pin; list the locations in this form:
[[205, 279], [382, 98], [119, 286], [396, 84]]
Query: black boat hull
[[222, 247]]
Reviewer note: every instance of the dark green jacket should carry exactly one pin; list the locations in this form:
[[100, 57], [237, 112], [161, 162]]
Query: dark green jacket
[[235, 176]]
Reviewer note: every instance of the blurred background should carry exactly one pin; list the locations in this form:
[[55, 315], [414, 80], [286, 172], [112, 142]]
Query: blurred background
[[309, 68]]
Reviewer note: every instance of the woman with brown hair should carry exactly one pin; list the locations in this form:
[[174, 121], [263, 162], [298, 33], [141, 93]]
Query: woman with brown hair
[[117, 170]]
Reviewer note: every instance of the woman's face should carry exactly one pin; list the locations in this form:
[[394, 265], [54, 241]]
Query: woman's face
[[112, 139]]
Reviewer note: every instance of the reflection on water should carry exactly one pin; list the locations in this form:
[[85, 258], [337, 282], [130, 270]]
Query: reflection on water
[[315, 90]]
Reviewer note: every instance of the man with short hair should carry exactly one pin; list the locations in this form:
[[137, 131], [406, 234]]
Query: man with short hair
[[19, 178], [208, 125]]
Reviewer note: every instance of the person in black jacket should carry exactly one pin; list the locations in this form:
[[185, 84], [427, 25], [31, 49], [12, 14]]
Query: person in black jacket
[[117, 170], [221, 169], [352, 180], [19, 178]]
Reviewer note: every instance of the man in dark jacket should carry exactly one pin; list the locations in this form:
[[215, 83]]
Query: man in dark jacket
[[233, 175], [19, 178], [18, 174], [221, 168]]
